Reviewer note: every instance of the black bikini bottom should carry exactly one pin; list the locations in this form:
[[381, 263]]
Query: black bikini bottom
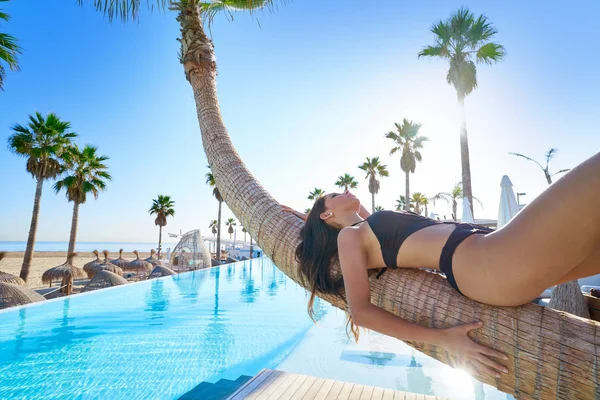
[[458, 235]]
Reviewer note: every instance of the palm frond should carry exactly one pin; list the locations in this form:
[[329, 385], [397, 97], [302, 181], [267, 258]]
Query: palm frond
[[561, 171], [527, 158], [491, 53]]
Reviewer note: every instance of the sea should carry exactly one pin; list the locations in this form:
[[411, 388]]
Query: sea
[[87, 246]]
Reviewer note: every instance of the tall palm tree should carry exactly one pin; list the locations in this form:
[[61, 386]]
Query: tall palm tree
[[43, 140], [452, 197], [566, 296], [374, 169], [418, 199], [550, 154], [86, 173], [401, 203], [245, 231], [230, 223], [210, 180], [9, 49], [464, 40], [213, 226], [346, 181], [315, 194], [408, 142], [162, 207]]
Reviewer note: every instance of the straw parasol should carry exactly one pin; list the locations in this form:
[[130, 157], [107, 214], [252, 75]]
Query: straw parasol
[[104, 279], [105, 265], [66, 272], [152, 260], [9, 278], [120, 262], [92, 263], [138, 265], [12, 295], [159, 271]]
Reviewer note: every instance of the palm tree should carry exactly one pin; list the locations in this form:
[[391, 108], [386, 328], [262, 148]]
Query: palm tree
[[346, 181], [418, 199], [210, 180], [245, 231], [464, 40], [43, 141], [566, 296], [453, 197], [407, 140], [230, 223], [379, 208], [9, 49], [315, 194], [213, 226], [401, 203], [162, 207], [86, 173], [425, 203], [550, 154], [307, 210], [374, 169]]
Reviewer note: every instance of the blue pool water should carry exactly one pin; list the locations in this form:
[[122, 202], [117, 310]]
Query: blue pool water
[[159, 339]]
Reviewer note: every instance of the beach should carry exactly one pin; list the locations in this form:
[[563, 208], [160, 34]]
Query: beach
[[43, 261]]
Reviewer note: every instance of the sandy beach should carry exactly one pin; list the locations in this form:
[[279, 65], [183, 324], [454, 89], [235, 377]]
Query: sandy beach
[[44, 260]]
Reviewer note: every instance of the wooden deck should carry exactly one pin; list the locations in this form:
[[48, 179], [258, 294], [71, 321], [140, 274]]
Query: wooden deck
[[269, 384]]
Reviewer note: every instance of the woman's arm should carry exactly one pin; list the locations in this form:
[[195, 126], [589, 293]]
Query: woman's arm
[[296, 213], [356, 283]]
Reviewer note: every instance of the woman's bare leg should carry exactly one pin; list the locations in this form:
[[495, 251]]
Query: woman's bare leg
[[540, 246], [588, 267]]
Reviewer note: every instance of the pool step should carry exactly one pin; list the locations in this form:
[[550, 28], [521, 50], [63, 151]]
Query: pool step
[[219, 390]]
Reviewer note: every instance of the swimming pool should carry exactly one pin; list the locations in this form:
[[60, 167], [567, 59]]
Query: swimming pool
[[158, 339]]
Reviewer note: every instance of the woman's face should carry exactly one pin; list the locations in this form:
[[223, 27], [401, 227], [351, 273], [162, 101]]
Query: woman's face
[[340, 204]]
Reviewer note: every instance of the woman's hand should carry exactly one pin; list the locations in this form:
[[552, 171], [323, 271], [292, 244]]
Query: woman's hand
[[296, 213], [457, 341]]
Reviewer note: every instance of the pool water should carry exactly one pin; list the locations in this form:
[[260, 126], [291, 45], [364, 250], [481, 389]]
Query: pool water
[[159, 339]]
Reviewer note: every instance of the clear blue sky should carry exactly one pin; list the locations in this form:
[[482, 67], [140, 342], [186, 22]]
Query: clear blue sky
[[307, 95]]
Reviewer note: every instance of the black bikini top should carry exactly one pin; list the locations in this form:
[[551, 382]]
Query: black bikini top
[[392, 228]]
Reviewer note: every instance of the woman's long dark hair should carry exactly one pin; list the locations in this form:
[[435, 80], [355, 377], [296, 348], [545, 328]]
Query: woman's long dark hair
[[315, 254]]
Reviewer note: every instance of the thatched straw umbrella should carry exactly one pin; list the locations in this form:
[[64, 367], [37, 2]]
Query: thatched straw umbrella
[[138, 265], [159, 271], [9, 278], [120, 262], [152, 260], [12, 295], [104, 279], [92, 263], [66, 272], [105, 265]]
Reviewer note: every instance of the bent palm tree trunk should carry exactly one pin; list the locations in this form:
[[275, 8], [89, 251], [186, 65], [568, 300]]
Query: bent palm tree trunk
[[32, 231], [552, 354]]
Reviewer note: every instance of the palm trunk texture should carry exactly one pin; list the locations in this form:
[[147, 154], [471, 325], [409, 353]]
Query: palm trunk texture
[[407, 192], [32, 231], [552, 354], [218, 252], [74, 223], [464, 156]]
